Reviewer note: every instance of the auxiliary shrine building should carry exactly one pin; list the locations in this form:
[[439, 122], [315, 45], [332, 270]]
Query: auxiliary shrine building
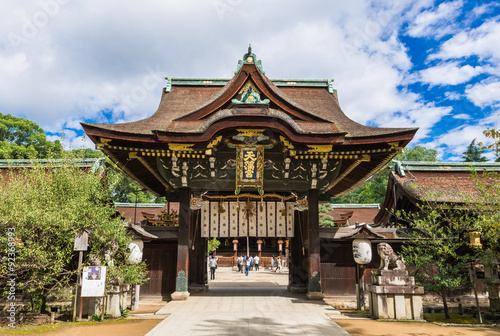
[[248, 159]]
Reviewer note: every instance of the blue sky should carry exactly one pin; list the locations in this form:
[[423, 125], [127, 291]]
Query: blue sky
[[428, 64]]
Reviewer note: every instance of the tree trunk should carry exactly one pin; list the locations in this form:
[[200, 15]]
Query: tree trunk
[[43, 307], [445, 304]]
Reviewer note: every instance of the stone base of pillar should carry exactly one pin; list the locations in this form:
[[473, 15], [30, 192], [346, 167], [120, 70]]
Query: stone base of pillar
[[297, 289], [179, 296], [393, 295], [315, 296], [113, 302], [198, 288]]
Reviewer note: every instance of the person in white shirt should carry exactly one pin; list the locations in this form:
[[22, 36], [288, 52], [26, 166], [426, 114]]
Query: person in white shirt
[[256, 262], [213, 267], [247, 267]]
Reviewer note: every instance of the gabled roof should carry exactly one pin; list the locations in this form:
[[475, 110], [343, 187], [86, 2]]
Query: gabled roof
[[350, 214], [194, 105], [413, 182], [197, 118]]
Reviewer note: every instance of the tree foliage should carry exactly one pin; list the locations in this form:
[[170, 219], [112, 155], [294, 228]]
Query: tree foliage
[[213, 244], [325, 219], [45, 206], [495, 146], [24, 139], [474, 153], [439, 248]]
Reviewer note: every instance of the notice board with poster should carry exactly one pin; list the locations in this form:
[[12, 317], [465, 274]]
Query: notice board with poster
[[93, 281]]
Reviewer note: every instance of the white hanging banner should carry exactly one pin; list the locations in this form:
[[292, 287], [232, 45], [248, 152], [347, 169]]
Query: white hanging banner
[[263, 220]]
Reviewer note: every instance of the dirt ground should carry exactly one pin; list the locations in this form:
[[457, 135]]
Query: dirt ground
[[120, 328], [376, 328]]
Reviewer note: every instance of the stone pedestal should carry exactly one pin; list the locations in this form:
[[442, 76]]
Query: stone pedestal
[[113, 301], [179, 296], [393, 295], [91, 306], [315, 296]]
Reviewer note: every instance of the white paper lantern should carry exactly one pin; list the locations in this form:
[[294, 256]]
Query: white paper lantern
[[362, 251], [135, 246]]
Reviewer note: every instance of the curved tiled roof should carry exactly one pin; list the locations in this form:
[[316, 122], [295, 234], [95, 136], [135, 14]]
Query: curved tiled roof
[[178, 107]]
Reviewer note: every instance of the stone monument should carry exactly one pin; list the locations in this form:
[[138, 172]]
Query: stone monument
[[393, 293]]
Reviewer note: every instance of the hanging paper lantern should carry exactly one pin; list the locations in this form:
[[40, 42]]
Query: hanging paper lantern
[[362, 251], [135, 246]]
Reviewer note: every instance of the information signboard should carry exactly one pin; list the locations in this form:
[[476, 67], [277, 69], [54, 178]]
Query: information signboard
[[93, 281]]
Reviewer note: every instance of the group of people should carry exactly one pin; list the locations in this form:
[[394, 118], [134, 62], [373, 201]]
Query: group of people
[[276, 264], [247, 263]]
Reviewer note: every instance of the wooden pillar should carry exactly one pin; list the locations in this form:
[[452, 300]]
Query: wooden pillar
[[197, 257], [297, 276], [181, 280], [314, 283]]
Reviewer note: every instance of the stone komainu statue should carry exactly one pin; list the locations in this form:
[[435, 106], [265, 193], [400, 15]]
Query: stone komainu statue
[[387, 257]]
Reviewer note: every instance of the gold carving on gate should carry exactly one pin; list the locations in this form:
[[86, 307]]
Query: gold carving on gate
[[215, 142], [180, 147], [286, 143], [250, 167], [320, 148], [250, 132]]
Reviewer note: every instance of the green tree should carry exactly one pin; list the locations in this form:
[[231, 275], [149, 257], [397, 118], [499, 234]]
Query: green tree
[[324, 218], [418, 153], [495, 146], [24, 139], [213, 244], [474, 153], [41, 210], [124, 190], [439, 249]]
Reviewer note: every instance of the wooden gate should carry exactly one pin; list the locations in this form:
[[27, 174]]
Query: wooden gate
[[162, 265], [338, 279]]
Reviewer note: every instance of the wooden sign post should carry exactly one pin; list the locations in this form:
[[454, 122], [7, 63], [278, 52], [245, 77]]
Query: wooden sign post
[[81, 245]]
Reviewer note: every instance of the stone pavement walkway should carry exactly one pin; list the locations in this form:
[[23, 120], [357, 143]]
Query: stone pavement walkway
[[235, 305]]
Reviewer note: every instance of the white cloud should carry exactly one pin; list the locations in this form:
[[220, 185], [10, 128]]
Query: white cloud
[[92, 56], [451, 95], [423, 116], [462, 116], [455, 141], [436, 22], [482, 9], [481, 41], [483, 93], [449, 74]]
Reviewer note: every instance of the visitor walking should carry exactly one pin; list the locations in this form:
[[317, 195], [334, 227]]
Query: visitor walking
[[247, 267], [251, 263], [213, 267], [241, 264], [256, 261], [278, 264], [272, 263]]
